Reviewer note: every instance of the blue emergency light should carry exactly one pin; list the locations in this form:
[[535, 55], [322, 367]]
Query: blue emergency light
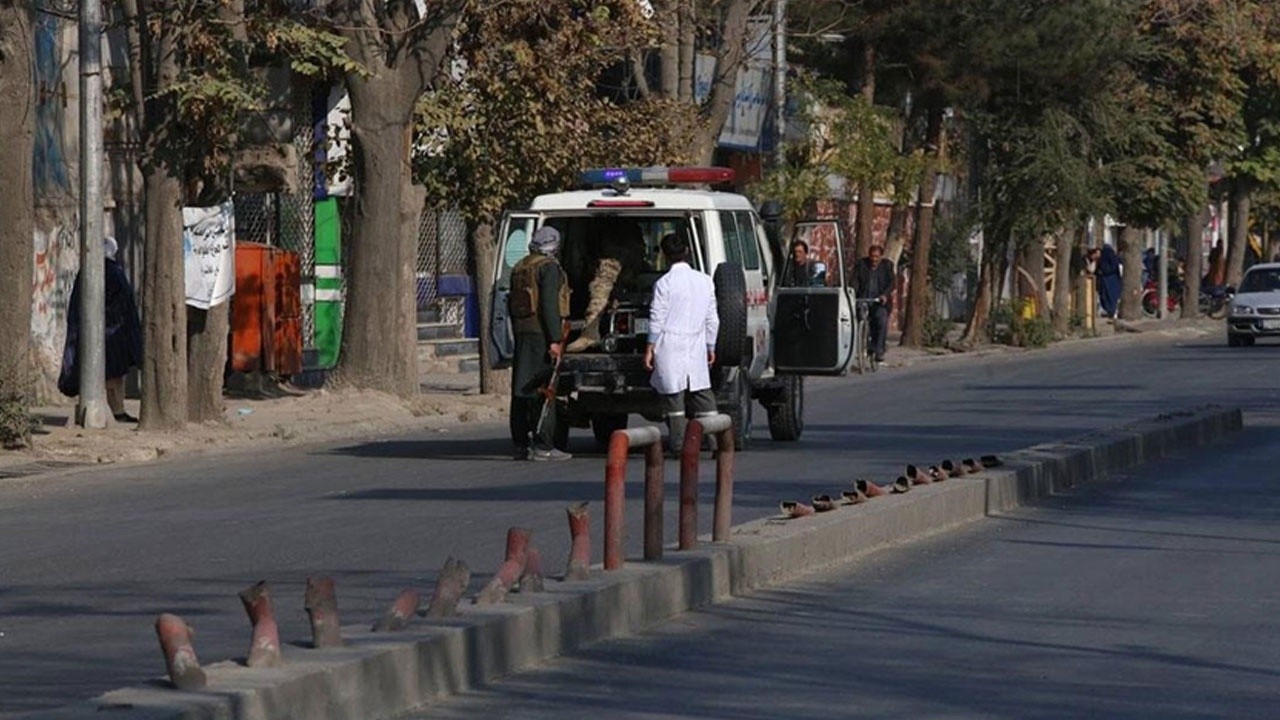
[[606, 177]]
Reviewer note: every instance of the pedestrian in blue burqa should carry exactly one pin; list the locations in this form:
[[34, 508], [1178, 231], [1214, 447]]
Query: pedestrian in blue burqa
[[1109, 285], [123, 335]]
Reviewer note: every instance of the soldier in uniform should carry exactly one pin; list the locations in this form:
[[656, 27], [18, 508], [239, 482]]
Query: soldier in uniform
[[538, 304]]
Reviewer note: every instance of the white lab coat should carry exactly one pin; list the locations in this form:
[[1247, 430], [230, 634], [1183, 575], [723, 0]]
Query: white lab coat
[[683, 323]]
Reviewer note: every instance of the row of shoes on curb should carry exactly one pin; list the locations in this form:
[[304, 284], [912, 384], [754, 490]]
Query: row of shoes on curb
[[865, 490]]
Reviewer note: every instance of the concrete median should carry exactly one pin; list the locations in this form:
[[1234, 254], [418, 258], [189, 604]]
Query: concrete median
[[378, 675]]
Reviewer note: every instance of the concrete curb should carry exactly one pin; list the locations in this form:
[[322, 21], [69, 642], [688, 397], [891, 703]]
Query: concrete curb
[[383, 674]]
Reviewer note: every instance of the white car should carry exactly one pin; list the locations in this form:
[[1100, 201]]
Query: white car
[[770, 336], [1255, 309]]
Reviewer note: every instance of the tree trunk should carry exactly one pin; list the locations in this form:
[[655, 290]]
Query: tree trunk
[[864, 231], [724, 86], [688, 50], [207, 330], [206, 361], [669, 50], [377, 340], [1031, 262], [1131, 247], [976, 330], [1195, 263], [17, 130], [1062, 275], [484, 249], [921, 247], [1241, 200], [896, 237], [164, 318]]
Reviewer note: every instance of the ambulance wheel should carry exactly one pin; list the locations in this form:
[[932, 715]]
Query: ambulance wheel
[[731, 306], [786, 413]]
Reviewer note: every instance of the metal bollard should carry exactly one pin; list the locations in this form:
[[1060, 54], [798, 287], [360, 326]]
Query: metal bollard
[[450, 587], [322, 609], [400, 613], [511, 569], [264, 651], [179, 655], [650, 438], [721, 426], [580, 552]]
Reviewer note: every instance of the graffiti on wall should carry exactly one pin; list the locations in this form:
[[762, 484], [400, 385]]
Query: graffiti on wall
[[50, 159], [57, 260]]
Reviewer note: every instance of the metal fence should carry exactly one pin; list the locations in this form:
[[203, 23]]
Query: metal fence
[[442, 250], [287, 219]]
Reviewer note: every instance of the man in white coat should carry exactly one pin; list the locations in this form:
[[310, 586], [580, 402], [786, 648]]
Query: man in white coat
[[683, 324]]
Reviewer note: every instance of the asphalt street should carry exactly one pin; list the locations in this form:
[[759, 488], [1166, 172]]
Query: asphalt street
[[1156, 596], [88, 560]]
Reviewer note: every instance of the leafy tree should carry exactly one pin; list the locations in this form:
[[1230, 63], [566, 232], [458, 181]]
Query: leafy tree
[[398, 55], [190, 87], [17, 129], [526, 114]]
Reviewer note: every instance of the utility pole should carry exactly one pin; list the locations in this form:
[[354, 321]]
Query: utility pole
[[779, 78], [91, 412]]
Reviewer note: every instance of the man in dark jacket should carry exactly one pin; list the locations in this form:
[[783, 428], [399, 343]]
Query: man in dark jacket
[[538, 304], [873, 279]]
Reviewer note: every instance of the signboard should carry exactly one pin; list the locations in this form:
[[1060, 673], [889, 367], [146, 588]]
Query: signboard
[[753, 90], [209, 254]]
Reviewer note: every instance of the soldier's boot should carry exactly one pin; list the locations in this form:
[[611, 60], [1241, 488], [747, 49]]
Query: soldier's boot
[[600, 289]]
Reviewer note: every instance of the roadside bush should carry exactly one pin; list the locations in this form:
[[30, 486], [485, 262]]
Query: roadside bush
[[935, 330], [16, 421], [1010, 327]]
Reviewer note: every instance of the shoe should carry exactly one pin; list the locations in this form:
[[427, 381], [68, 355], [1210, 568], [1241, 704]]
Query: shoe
[[880, 358], [520, 453], [548, 455], [125, 417]]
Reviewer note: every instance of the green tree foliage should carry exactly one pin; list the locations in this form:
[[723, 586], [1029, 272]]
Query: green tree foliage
[[524, 113]]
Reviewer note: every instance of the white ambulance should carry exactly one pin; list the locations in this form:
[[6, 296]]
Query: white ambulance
[[770, 337]]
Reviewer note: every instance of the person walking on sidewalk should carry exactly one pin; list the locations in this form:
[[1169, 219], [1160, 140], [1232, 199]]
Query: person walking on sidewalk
[[538, 304], [873, 280], [683, 325], [123, 341]]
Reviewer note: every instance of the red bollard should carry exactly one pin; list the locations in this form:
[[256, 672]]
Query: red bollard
[[531, 579], [510, 571], [689, 455], [580, 552], [265, 648], [722, 517], [322, 608], [870, 489], [972, 466], [615, 478], [953, 469], [450, 587], [654, 462], [398, 617], [179, 655]]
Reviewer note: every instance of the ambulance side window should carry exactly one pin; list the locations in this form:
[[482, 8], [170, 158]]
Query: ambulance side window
[[747, 237]]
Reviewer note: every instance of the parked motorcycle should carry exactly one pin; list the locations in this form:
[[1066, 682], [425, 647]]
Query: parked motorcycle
[[1214, 300]]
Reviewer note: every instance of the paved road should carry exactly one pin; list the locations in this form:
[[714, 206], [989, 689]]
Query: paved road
[[86, 562], [1155, 597]]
